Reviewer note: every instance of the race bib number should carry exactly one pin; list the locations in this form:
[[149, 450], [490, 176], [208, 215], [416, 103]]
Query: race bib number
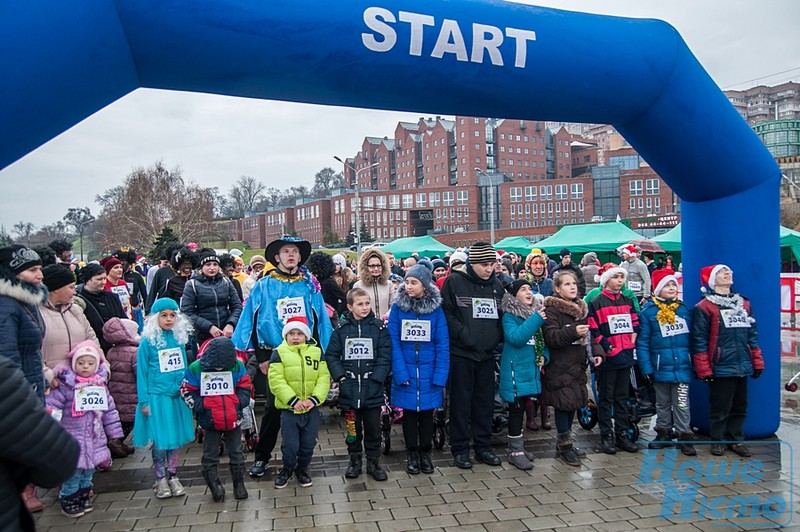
[[170, 360], [484, 309], [620, 323], [124, 299], [635, 286], [415, 331], [674, 329], [289, 307], [733, 319], [358, 349], [216, 383], [91, 398]]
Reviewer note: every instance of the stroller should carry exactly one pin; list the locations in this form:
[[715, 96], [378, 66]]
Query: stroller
[[641, 403]]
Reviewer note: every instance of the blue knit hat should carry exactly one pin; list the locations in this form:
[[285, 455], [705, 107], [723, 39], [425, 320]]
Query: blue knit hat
[[164, 303], [423, 273]]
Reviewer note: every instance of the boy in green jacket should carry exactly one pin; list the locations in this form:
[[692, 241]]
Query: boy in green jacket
[[300, 380]]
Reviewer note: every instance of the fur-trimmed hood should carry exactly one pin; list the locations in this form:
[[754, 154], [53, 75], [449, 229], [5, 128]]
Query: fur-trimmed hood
[[23, 291], [429, 302], [363, 271], [577, 309]]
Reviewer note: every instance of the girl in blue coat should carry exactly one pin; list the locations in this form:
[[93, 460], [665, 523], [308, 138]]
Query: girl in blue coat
[[161, 415], [420, 362], [664, 358], [524, 354]]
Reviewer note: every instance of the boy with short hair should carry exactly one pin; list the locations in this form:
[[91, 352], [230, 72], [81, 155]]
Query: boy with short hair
[[614, 322], [216, 387], [359, 357], [299, 379]]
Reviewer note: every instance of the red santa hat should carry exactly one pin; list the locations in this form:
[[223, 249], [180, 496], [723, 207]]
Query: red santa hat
[[297, 322], [708, 275], [661, 278], [607, 271], [628, 249]]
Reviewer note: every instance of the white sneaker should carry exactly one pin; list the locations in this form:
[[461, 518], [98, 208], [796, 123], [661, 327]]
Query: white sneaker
[[175, 487], [161, 487]]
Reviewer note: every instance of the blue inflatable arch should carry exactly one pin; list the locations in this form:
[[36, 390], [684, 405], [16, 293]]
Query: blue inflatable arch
[[63, 61]]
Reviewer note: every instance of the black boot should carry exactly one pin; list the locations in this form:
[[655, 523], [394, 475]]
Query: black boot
[[662, 440], [545, 413], [425, 462], [354, 469], [607, 445], [239, 489], [685, 444], [374, 468], [566, 450], [211, 476], [624, 442], [413, 462]]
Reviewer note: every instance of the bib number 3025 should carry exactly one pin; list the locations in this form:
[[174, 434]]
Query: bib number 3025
[[216, 383], [484, 308]]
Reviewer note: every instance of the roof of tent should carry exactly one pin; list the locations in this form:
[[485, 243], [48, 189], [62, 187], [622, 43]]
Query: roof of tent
[[583, 238], [424, 245], [516, 244]]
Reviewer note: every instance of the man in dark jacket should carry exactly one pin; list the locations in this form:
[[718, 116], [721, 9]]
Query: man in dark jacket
[[725, 351], [359, 357], [34, 448], [567, 264], [471, 298]]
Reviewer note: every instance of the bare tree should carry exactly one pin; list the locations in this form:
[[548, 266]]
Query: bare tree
[[24, 230], [326, 180], [135, 213], [245, 195]]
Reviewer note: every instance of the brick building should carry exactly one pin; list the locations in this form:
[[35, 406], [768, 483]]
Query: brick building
[[762, 103]]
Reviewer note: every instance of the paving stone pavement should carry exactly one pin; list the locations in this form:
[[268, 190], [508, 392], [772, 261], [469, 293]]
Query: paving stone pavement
[[607, 493]]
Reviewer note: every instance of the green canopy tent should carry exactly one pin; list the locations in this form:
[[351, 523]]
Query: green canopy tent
[[602, 238], [516, 244], [424, 245], [789, 242]]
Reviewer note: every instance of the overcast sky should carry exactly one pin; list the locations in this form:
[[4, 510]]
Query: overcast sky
[[216, 139]]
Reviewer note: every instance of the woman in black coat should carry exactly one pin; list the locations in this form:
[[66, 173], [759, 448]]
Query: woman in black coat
[[99, 305], [34, 448], [210, 300], [322, 266]]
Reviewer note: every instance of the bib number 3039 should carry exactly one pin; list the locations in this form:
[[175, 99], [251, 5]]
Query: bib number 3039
[[674, 329], [484, 308], [216, 383], [91, 398]]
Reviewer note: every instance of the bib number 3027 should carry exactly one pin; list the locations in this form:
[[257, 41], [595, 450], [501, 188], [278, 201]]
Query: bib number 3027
[[216, 383], [289, 307], [484, 308], [91, 398]]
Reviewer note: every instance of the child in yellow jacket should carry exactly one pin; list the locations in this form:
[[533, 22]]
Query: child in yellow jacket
[[300, 380]]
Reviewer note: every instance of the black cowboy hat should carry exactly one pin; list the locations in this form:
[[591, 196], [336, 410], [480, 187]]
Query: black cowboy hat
[[274, 247]]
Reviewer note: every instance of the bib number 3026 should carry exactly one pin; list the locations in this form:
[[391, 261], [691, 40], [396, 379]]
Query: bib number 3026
[[91, 398], [216, 383]]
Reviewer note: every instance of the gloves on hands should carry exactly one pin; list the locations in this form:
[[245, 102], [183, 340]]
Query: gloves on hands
[[757, 373]]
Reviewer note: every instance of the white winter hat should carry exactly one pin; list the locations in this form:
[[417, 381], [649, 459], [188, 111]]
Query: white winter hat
[[297, 322]]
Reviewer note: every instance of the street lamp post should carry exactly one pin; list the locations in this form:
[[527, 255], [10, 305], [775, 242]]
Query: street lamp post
[[491, 204], [83, 223], [358, 201]]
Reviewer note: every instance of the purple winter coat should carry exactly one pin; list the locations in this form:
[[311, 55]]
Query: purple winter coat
[[89, 429], [122, 358]]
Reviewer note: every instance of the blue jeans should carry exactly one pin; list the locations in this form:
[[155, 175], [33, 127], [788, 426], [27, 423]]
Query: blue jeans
[[80, 480], [299, 437]]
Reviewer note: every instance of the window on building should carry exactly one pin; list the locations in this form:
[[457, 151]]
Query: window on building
[[462, 197], [433, 199], [653, 187], [515, 194], [394, 201], [561, 192], [422, 199], [448, 198], [636, 187], [380, 202], [576, 190], [530, 193]]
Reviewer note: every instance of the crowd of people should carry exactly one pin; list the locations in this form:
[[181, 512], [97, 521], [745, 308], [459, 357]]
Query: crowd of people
[[119, 356]]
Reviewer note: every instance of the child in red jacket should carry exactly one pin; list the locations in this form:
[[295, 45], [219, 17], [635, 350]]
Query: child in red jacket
[[216, 388]]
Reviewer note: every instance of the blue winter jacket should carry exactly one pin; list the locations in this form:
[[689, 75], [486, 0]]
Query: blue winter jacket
[[22, 327], [668, 358], [425, 366], [519, 374]]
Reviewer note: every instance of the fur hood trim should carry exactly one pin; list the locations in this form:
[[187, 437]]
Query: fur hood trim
[[22, 291], [363, 271], [577, 309], [427, 304], [512, 305]]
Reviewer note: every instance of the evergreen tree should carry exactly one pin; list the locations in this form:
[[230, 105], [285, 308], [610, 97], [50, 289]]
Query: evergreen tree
[[166, 238]]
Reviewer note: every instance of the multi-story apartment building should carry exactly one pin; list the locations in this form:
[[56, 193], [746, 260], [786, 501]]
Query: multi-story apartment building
[[762, 103], [445, 176]]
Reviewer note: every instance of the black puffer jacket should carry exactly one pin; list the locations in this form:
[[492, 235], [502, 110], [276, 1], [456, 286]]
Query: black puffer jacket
[[22, 327], [34, 448], [365, 378], [564, 376], [471, 338], [99, 308], [210, 301]]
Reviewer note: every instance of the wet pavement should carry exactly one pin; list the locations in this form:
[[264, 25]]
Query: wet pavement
[[649, 490]]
